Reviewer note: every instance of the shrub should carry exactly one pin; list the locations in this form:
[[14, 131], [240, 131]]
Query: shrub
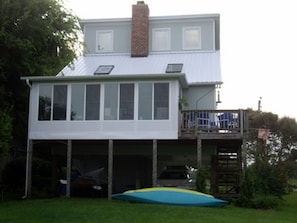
[[14, 174], [265, 201], [201, 178], [262, 187]]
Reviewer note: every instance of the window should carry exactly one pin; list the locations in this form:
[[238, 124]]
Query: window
[[145, 100], [45, 102], [192, 38], [56, 110], [161, 101], [77, 101], [104, 69], [126, 102], [111, 101], [161, 39], [104, 41], [93, 102], [159, 92], [174, 68], [60, 102]]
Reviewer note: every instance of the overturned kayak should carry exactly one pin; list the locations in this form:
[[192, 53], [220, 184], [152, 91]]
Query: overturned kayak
[[173, 196]]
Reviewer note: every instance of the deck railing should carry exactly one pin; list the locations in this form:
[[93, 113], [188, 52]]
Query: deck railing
[[218, 121]]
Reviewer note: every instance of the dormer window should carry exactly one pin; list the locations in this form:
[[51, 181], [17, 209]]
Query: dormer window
[[104, 41], [161, 39], [174, 68], [192, 38], [104, 69]]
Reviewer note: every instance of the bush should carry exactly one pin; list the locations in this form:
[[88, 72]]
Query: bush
[[14, 174], [265, 202], [201, 178], [262, 187]]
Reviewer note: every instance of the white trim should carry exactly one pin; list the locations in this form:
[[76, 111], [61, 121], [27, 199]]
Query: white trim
[[199, 46], [154, 39], [99, 49]]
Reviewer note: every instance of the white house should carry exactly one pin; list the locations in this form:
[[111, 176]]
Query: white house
[[118, 105]]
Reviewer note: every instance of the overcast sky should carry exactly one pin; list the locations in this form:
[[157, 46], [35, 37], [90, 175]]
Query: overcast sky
[[258, 45]]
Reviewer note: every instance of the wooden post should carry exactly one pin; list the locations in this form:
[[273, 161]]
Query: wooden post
[[199, 152], [244, 156], [110, 168], [28, 185], [69, 157], [154, 160]]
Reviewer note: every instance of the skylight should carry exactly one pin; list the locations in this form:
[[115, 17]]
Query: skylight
[[104, 69], [174, 68]]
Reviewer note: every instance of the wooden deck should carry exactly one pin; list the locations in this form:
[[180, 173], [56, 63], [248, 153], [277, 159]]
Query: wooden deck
[[213, 124], [227, 130]]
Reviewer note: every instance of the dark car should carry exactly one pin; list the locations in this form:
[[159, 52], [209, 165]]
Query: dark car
[[180, 177]]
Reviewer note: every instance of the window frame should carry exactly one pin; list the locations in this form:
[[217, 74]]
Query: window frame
[[98, 49], [155, 40], [50, 106], [187, 46]]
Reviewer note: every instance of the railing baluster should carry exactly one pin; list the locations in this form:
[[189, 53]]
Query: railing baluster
[[219, 121]]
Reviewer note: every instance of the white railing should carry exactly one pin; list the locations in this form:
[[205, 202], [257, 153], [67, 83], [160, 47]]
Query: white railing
[[213, 121]]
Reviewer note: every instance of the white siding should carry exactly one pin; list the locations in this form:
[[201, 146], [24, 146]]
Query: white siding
[[105, 129]]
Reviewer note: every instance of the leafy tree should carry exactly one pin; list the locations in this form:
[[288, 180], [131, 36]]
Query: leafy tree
[[37, 37], [5, 133], [281, 143], [272, 160]]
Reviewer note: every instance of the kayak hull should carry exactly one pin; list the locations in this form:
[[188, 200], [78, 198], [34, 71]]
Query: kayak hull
[[170, 196]]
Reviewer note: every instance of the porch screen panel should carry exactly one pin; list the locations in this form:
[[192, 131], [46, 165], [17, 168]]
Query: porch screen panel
[[60, 102], [126, 111], [161, 101], [45, 102], [145, 99], [93, 102], [111, 101], [77, 101]]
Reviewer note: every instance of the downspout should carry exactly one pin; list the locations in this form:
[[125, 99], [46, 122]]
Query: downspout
[[29, 148], [28, 83]]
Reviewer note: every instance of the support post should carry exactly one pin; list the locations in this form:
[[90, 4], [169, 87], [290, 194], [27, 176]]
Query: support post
[[199, 152], [154, 163], [244, 156], [110, 168], [28, 184], [69, 158]]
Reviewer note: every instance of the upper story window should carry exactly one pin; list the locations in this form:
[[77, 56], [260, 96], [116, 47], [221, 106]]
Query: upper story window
[[192, 38], [119, 101], [85, 101], [52, 102], [153, 101], [45, 102], [161, 39], [104, 41]]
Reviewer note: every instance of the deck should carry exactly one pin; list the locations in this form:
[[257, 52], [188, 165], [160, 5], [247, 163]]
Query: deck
[[213, 124], [225, 129]]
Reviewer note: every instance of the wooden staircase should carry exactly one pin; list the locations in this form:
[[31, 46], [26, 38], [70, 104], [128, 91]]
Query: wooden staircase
[[226, 172]]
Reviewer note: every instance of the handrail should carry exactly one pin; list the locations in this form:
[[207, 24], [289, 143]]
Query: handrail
[[223, 121]]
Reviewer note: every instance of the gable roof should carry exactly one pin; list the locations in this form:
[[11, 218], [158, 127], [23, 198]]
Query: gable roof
[[198, 67]]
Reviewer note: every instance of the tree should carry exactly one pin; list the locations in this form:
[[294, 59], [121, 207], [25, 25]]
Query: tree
[[282, 140], [5, 133], [272, 160], [37, 37]]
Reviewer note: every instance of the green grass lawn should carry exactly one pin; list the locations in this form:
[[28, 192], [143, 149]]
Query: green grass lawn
[[100, 210]]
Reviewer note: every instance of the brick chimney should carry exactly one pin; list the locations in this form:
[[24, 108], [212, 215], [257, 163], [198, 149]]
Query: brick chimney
[[140, 30]]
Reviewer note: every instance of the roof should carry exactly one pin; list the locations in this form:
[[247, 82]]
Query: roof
[[214, 16], [198, 67]]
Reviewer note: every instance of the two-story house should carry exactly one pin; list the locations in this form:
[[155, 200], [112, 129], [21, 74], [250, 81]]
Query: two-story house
[[118, 106]]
